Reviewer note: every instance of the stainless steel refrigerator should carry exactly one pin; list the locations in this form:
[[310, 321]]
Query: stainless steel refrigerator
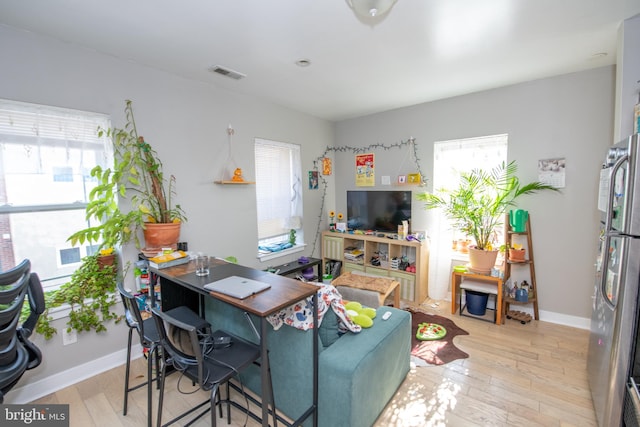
[[615, 299]]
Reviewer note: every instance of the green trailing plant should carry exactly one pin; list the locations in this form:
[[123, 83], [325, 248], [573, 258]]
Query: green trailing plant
[[478, 205], [136, 175], [91, 294]]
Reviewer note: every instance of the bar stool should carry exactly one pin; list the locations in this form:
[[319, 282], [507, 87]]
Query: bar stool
[[149, 338], [216, 358]]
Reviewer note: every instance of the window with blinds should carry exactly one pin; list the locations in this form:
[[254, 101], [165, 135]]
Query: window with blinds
[[46, 156], [450, 158], [278, 194]]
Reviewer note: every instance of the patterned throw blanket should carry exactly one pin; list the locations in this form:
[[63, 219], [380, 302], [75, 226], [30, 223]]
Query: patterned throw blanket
[[300, 315]]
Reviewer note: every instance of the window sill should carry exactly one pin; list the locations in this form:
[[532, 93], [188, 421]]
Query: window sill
[[274, 255], [63, 311]]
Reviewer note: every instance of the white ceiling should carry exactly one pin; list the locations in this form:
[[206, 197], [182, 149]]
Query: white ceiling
[[423, 50]]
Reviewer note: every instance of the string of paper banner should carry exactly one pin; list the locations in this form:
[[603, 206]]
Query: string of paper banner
[[365, 171]]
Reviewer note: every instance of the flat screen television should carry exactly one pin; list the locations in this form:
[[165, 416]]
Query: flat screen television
[[378, 210]]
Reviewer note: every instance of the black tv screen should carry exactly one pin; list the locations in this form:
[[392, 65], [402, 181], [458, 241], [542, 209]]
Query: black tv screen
[[378, 210]]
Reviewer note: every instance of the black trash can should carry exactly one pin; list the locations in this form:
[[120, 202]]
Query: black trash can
[[476, 302]]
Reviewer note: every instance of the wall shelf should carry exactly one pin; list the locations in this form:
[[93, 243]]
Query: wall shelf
[[225, 182]]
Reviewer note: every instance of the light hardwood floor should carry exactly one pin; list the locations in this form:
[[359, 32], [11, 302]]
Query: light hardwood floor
[[516, 375]]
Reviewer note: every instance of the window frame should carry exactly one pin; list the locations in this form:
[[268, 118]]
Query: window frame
[[40, 129], [268, 234]]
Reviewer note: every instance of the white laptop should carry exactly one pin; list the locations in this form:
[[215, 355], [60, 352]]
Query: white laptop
[[237, 287]]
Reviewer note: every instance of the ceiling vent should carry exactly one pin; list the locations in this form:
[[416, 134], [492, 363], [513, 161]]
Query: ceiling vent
[[227, 72]]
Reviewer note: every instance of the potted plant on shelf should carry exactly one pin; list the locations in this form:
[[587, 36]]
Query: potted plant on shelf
[[136, 175], [516, 253], [478, 206]]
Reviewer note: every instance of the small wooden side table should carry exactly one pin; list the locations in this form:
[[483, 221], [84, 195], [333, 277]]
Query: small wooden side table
[[456, 279], [383, 286]]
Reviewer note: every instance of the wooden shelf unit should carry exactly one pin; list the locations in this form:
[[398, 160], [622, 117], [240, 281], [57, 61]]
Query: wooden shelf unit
[[528, 262], [413, 286]]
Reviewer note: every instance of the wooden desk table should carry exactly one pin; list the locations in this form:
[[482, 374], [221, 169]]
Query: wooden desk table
[[456, 279], [283, 293]]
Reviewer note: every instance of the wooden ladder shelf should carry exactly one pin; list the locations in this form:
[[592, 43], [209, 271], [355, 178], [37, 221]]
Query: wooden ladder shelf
[[509, 264]]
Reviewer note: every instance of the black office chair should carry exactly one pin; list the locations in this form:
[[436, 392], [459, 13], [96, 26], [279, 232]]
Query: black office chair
[[149, 338], [203, 359], [17, 353]]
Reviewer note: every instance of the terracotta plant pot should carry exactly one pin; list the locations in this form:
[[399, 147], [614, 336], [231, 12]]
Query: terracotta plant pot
[[161, 235], [482, 261], [106, 260], [516, 255]]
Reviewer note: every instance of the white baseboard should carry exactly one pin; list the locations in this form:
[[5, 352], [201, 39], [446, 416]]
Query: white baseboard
[[33, 391], [552, 317]]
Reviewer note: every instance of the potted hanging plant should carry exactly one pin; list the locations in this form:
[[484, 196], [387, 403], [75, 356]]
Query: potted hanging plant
[[516, 253], [477, 206], [137, 176], [91, 296]]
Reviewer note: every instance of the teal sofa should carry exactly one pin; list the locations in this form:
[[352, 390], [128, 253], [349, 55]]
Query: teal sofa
[[358, 373]]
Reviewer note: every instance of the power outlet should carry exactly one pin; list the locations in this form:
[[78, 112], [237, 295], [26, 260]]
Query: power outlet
[[69, 337]]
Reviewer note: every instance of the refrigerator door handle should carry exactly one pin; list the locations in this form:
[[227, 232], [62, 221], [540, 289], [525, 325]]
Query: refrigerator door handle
[[612, 185], [607, 238], [604, 271]]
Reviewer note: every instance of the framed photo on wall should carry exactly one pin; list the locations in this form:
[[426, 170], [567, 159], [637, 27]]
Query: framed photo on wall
[[326, 166], [365, 170], [414, 178], [313, 180]]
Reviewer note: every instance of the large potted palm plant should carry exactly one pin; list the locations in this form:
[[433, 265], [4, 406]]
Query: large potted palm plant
[[136, 175], [477, 206]]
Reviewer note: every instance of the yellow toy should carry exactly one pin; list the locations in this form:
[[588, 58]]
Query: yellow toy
[[237, 175], [362, 316]]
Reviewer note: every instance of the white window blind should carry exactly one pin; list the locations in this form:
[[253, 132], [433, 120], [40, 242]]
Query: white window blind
[[450, 159], [462, 155], [47, 154], [278, 188]]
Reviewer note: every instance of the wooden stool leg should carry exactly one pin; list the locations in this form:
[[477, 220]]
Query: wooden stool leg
[[396, 297]]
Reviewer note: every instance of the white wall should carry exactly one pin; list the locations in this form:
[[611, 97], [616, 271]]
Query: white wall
[[186, 123], [568, 116]]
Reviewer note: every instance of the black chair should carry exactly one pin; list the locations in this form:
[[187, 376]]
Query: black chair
[[204, 358], [149, 338], [17, 353]]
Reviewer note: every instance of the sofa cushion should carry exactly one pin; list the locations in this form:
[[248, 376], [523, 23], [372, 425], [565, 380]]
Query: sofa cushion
[[329, 329]]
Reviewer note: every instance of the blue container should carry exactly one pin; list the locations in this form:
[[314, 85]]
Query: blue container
[[476, 302]]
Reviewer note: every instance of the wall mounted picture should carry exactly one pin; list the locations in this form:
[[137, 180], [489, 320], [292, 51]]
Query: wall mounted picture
[[552, 171], [313, 180], [413, 178], [402, 179], [365, 176], [326, 166]]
